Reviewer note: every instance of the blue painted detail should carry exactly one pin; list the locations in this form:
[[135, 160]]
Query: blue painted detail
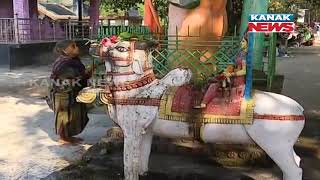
[[249, 62]]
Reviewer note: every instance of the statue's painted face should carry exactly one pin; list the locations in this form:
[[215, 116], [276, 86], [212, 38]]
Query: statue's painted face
[[120, 51], [128, 54]]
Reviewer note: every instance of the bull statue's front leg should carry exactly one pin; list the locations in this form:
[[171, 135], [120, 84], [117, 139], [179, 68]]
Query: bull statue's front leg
[[145, 151], [176, 77], [135, 122], [131, 155]]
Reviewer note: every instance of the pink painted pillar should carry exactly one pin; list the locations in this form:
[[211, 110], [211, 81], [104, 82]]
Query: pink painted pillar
[[21, 7], [94, 16], [22, 22]]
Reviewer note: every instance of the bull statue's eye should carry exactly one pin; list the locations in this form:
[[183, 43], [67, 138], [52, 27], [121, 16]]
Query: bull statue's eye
[[122, 49]]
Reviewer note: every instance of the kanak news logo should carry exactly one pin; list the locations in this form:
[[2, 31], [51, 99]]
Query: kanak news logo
[[271, 23]]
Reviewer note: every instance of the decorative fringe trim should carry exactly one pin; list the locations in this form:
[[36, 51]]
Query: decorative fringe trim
[[134, 84], [105, 99], [89, 95]]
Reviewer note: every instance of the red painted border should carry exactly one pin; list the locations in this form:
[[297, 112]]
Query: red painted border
[[137, 101], [147, 79], [279, 117]]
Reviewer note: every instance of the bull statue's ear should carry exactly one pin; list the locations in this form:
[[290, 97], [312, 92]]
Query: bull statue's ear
[[108, 66], [136, 67]]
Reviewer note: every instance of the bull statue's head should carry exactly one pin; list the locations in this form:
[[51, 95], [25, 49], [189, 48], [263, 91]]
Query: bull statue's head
[[130, 57], [129, 68]]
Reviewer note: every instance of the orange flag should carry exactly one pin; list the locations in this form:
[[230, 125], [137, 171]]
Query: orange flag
[[151, 18]]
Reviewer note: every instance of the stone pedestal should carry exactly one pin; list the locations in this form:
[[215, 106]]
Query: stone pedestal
[[169, 160], [221, 154]]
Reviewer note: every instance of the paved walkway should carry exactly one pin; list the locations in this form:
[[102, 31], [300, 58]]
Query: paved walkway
[[29, 150], [302, 82]]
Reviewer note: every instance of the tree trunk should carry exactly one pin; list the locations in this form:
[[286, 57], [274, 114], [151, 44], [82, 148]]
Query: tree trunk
[[94, 16]]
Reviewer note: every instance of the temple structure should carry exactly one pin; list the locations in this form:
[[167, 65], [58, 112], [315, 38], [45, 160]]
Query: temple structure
[[26, 36], [23, 8], [23, 21], [30, 28]]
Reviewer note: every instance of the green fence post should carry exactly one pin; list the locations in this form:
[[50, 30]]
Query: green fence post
[[260, 6], [249, 7], [271, 59]]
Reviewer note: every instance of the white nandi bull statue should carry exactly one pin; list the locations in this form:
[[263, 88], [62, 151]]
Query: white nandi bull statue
[[136, 97]]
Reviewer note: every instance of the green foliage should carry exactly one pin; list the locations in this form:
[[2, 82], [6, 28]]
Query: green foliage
[[127, 36], [141, 9], [163, 10], [124, 5], [280, 6], [234, 10], [237, 7], [107, 10], [291, 6]]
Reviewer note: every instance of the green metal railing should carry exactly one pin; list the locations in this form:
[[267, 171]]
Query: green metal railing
[[204, 58], [105, 31], [269, 66]]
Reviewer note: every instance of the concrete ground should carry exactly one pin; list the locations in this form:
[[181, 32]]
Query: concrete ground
[[29, 148], [302, 84], [302, 79], [28, 144]]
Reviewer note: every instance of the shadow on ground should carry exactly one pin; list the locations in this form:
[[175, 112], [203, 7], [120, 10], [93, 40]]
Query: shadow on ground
[[105, 161]]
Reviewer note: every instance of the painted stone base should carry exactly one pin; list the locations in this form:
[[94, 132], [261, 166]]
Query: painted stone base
[[221, 154]]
